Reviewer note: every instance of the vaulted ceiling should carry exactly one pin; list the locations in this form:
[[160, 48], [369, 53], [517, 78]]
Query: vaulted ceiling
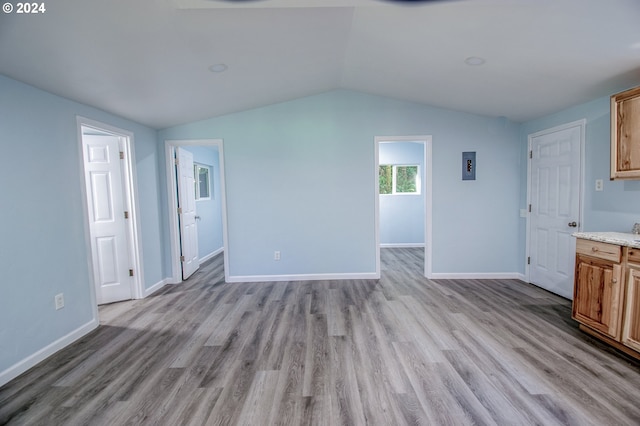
[[149, 60]]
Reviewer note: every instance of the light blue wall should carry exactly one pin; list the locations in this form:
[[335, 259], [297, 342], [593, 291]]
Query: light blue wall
[[210, 211], [617, 207], [43, 248], [300, 179], [402, 217]]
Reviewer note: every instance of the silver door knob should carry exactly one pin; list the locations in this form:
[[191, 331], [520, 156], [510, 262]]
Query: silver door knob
[[573, 224]]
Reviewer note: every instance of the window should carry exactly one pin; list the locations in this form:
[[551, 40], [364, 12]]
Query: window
[[396, 179], [201, 177]]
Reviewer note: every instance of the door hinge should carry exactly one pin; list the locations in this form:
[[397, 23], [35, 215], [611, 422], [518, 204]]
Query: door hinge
[[181, 258], [529, 260], [126, 215], [179, 210], [529, 208], [130, 272], [121, 155], [530, 154]]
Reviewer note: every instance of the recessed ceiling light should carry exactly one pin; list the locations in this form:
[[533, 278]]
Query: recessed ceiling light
[[218, 68], [474, 61]]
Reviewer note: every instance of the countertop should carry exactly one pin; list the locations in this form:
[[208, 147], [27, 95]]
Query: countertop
[[619, 238]]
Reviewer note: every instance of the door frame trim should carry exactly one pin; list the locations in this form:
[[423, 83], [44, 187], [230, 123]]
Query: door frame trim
[[578, 123], [426, 141], [130, 187], [172, 202]]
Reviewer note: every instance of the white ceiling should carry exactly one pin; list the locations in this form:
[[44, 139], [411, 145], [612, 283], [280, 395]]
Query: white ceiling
[[148, 60]]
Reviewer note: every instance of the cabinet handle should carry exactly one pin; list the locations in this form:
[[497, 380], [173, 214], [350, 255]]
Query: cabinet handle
[[614, 280], [594, 249]]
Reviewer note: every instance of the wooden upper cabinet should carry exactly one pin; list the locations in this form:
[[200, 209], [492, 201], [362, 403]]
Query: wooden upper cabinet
[[625, 135]]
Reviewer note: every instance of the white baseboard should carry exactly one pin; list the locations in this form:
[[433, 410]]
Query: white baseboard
[[374, 276], [17, 369], [476, 276], [303, 277], [401, 245], [157, 286], [212, 255]]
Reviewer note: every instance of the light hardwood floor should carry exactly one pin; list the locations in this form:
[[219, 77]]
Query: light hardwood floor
[[401, 350]]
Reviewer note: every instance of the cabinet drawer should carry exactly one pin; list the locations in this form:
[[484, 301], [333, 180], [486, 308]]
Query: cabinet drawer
[[599, 250], [634, 255]]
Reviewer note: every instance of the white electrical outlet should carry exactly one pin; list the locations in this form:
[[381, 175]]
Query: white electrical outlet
[[59, 299], [523, 212], [276, 255], [599, 185]]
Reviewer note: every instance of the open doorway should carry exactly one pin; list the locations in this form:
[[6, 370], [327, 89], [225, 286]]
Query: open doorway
[[198, 224], [111, 211], [403, 194]]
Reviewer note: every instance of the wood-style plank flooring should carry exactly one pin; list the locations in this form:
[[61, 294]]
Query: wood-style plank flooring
[[401, 350]]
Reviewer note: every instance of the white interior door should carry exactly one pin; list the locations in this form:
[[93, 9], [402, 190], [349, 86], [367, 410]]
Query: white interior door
[[107, 223], [555, 175], [187, 213]]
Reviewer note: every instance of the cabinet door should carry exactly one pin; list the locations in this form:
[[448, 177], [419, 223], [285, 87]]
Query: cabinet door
[[631, 331], [625, 135], [598, 294]]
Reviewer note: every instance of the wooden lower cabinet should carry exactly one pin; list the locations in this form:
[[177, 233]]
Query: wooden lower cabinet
[[606, 293], [597, 295], [631, 331]]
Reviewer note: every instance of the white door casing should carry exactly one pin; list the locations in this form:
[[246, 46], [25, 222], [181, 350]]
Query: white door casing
[[187, 213], [426, 140], [104, 179], [555, 193], [172, 203]]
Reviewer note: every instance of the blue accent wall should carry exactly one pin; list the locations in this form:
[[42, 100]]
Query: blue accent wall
[[43, 248], [210, 211], [300, 179], [402, 216]]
